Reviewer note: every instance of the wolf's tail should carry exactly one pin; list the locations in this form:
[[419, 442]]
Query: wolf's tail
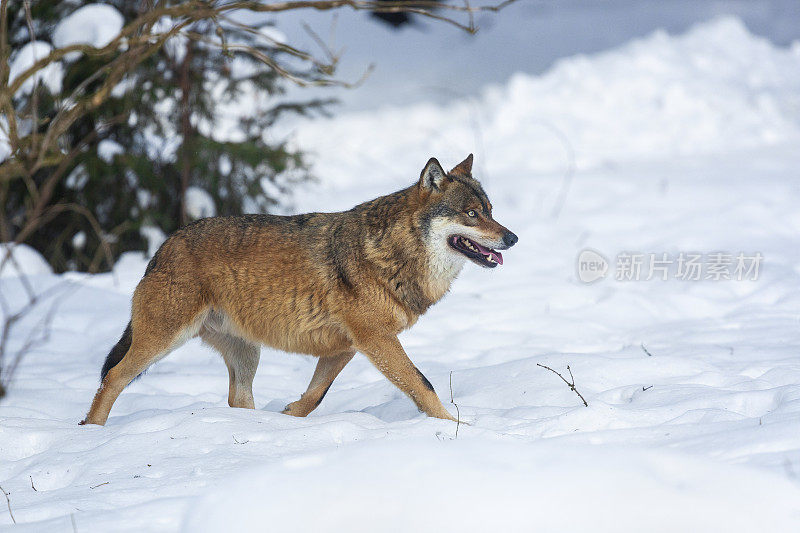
[[117, 352]]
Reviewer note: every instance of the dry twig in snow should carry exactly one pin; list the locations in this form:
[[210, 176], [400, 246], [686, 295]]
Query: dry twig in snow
[[570, 385], [8, 502], [458, 413]]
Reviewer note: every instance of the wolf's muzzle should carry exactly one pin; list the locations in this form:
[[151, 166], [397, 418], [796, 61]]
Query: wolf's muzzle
[[510, 239]]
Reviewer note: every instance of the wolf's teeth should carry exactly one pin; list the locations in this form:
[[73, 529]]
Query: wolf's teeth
[[468, 244]]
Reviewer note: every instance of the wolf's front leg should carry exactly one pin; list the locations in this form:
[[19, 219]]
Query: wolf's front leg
[[327, 370], [388, 356]]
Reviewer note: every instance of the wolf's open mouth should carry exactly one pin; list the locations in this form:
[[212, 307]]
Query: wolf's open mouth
[[480, 254]]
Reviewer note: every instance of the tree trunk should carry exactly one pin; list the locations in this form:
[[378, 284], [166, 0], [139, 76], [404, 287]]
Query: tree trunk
[[186, 130]]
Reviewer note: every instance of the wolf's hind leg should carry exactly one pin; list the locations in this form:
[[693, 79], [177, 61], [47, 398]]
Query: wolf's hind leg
[[146, 348], [241, 357], [327, 370]]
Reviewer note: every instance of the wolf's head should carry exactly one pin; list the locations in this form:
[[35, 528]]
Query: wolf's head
[[457, 219]]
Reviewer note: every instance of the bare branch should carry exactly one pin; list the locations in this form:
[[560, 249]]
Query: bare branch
[[11, 319], [8, 257], [570, 385], [196, 10], [332, 58], [38, 335], [283, 47], [45, 191], [458, 412], [8, 502], [34, 92], [135, 42]]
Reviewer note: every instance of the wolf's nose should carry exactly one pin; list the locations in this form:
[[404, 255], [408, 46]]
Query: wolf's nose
[[510, 239]]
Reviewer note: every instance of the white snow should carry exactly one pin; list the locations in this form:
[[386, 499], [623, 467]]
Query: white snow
[[79, 240], [495, 484], [92, 24], [127, 84], [273, 34], [24, 58], [107, 149], [5, 146], [176, 45], [199, 203], [717, 87], [78, 178], [682, 143], [155, 238], [21, 260]]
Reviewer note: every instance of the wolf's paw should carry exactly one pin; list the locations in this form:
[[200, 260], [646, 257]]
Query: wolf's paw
[[460, 421], [445, 415], [295, 409]]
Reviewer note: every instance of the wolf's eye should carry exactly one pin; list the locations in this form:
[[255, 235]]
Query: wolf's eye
[[471, 213]]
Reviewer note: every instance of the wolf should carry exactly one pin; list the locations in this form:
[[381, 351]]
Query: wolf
[[322, 284]]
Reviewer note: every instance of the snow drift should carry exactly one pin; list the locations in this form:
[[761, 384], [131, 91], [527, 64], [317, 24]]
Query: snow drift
[[21, 260], [718, 87], [488, 485]]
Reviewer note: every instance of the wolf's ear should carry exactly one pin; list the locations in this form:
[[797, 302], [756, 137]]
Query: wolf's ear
[[433, 175], [465, 167]]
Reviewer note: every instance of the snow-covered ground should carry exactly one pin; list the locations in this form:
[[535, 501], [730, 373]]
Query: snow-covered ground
[[679, 143]]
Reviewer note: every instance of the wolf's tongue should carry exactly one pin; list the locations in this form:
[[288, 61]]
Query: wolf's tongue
[[488, 252]]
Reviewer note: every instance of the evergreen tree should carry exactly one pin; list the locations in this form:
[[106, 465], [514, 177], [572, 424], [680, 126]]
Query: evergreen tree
[[183, 135], [190, 122]]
